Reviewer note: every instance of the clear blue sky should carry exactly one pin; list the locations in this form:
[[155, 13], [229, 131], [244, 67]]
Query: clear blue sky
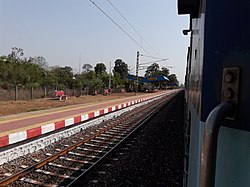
[[59, 30]]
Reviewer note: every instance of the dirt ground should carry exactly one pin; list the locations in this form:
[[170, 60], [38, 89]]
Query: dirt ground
[[14, 107]]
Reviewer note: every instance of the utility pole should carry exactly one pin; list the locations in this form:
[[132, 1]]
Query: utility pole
[[110, 77], [80, 59], [137, 67]]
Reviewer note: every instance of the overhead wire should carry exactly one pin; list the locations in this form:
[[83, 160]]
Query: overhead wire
[[158, 60], [152, 62], [131, 25], [154, 57], [119, 26]]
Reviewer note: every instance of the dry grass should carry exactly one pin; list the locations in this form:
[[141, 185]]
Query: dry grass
[[14, 107]]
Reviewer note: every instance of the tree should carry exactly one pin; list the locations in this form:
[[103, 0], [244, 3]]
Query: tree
[[5, 70], [96, 83], [121, 68], [105, 79], [165, 71], [15, 68], [40, 61], [63, 75], [16, 54], [173, 79], [100, 68], [152, 70], [33, 74], [87, 67], [91, 81], [117, 80]]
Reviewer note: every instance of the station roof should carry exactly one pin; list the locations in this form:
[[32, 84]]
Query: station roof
[[150, 79]]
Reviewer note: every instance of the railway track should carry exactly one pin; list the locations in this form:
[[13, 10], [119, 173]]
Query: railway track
[[72, 158]]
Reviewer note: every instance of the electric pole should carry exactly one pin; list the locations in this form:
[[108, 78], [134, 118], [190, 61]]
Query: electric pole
[[137, 67], [80, 59]]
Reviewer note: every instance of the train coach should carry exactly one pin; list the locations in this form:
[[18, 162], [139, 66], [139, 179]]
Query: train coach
[[217, 137]]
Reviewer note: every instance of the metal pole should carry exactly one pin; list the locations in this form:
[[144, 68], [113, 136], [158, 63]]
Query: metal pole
[[16, 92], [31, 92], [137, 66], [45, 91], [74, 86], [209, 143], [80, 59]]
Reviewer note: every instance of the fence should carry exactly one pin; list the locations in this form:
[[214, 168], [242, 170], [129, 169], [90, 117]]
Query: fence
[[21, 93], [18, 93]]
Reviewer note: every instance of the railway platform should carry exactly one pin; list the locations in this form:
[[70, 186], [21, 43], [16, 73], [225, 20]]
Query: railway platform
[[19, 127]]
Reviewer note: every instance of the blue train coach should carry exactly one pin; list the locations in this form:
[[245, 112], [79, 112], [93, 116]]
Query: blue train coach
[[217, 130]]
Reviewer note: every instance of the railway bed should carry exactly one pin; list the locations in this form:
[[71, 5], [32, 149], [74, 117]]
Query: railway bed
[[153, 156], [68, 161]]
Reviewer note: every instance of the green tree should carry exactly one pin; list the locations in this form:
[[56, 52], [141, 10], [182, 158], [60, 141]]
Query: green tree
[[165, 71], [40, 61], [5, 70], [33, 74], [117, 80], [121, 68], [173, 79], [152, 70], [91, 81], [15, 67], [87, 67], [105, 79], [16, 55], [63, 76], [100, 68], [49, 79]]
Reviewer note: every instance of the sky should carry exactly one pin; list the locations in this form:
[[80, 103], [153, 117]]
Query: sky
[[76, 32]]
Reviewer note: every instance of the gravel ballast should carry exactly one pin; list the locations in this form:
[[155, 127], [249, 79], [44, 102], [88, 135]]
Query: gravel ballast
[[152, 157]]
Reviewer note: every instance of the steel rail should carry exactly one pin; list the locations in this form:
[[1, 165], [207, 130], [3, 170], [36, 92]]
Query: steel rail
[[20, 174], [110, 125], [134, 128]]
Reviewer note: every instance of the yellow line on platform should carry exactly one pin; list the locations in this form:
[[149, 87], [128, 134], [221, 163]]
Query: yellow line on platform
[[58, 110], [64, 118]]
